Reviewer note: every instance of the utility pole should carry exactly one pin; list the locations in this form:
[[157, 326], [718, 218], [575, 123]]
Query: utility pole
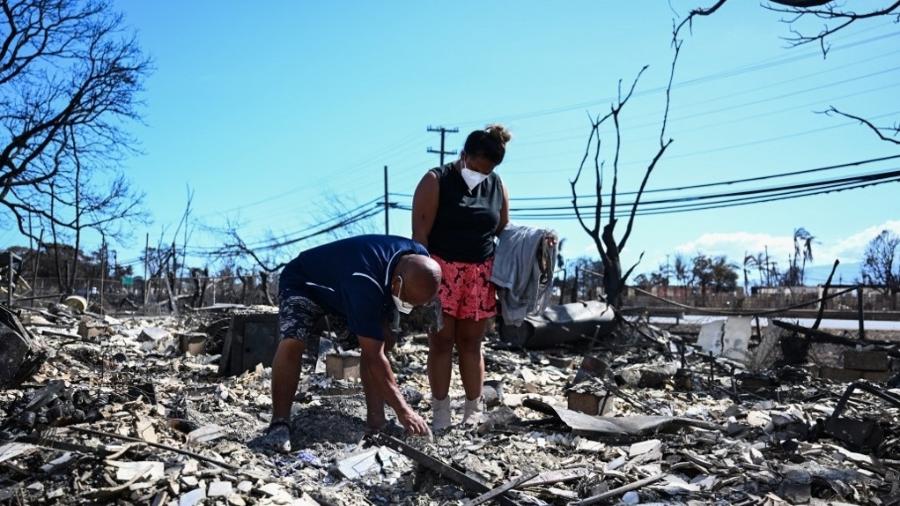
[[173, 275], [103, 268], [146, 256], [443, 131], [37, 264], [387, 224], [668, 271], [11, 273]]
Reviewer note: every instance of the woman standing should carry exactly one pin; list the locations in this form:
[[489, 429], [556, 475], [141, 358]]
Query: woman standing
[[458, 209]]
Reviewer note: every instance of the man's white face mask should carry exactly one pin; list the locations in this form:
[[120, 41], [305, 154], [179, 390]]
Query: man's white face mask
[[472, 177], [402, 307]]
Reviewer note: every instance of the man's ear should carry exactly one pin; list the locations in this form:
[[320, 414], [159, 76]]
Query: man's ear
[[394, 282]]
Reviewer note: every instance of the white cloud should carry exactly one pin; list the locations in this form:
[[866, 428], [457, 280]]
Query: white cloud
[[734, 244], [851, 248]]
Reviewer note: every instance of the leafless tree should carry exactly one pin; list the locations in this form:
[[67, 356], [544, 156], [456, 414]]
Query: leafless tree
[[236, 248], [69, 79], [87, 206], [603, 234], [881, 264]]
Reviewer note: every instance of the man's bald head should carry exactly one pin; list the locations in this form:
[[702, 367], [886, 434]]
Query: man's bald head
[[421, 279]]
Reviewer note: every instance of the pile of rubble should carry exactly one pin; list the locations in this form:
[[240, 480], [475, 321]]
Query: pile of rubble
[[162, 411]]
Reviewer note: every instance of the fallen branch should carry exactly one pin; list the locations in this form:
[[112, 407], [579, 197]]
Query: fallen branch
[[468, 482], [825, 294], [161, 446], [594, 499], [487, 496]]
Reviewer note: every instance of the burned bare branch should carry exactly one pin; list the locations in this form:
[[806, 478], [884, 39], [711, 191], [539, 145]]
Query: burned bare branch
[[878, 130], [68, 79], [830, 12], [699, 11]]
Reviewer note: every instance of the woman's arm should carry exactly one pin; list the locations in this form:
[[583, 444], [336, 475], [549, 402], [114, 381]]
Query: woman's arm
[[504, 210], [424, 208]]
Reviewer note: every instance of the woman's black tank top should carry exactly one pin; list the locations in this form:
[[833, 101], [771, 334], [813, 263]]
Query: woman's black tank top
[[466, 221]]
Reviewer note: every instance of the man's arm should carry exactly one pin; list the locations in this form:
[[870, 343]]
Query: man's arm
[[384, 382]]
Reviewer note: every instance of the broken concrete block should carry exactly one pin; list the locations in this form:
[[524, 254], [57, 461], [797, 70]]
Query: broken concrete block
[[219, 489], [146, 470], [647, 376], [631, 497], [871, 360], [91, 330], [727, 338], [769, 350], [153, 334], [367, 462], [192, 343], [839, 374], [35, 319], [591, 403], [645, 447], [710, 337], [193, 497], [206, 433], [144, 430], [342, 366]]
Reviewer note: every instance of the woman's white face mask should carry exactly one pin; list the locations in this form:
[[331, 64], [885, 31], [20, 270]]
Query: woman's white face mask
[[472, 178]]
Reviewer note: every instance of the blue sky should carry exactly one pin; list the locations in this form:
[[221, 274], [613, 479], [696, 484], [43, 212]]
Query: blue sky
[[270, 110]]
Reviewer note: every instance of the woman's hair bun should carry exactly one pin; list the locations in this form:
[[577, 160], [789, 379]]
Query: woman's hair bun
[[499, 132]]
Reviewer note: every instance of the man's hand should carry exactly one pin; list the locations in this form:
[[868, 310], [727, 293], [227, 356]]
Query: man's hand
[[381, 386], [413, 423]]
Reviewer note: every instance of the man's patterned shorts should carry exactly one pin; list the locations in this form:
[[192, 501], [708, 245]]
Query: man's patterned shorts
[[301, 318]]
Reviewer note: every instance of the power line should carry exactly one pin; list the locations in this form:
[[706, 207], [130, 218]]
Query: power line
[[723, 148], [329, 175], [366, 214], [737, 71], [752, 197], [726, 199], [706, 101], [713, 184], [288, 236], [821, 102], [742, 201], [408, 139]]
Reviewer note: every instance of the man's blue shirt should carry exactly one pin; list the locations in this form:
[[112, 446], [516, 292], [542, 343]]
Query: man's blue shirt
[[350, 277]]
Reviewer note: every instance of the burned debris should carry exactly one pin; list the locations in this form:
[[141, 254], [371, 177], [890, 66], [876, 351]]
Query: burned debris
[[166, 410]]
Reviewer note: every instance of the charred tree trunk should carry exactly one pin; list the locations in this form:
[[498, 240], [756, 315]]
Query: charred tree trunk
[[264, 286]]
